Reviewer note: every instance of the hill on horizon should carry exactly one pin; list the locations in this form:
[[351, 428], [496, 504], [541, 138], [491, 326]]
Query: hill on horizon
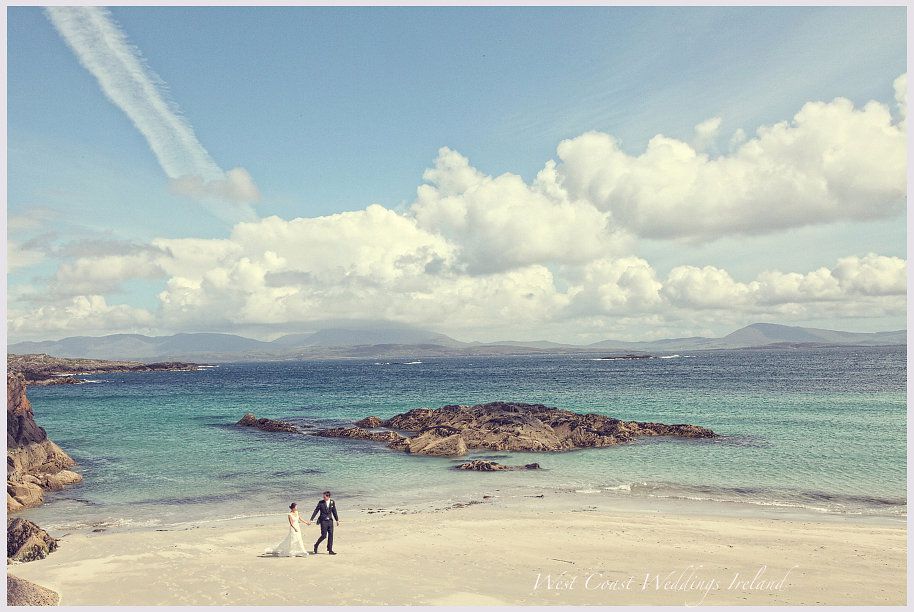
[[409, 341]]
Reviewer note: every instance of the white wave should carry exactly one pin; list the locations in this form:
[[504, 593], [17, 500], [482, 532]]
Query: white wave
[[411, 362], [621, 487], [669, 356]]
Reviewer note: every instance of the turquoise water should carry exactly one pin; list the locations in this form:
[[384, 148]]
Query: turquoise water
[[818, 429]]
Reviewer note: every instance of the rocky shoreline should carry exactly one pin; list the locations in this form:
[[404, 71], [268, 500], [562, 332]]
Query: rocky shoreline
[[33, 462], [453, 431], [41, 369]]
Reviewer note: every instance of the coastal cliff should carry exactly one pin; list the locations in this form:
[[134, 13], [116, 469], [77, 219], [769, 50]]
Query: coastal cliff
[[33, 462], [452, 431]]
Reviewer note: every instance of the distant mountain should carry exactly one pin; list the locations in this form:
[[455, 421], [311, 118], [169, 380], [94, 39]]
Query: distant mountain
[[759, 334], [143, 348], [763, 334], [365, 337], [231, 347], [394, 342]]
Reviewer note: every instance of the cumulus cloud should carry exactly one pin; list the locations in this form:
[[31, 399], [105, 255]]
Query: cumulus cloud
[[706, 133], [851, 279], [103, 49], [900, 85], [615, 286], [831, 162], [502, 222], [477, 252], [706, 287]]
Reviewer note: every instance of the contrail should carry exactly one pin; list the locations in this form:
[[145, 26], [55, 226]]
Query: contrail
[[103, 49]]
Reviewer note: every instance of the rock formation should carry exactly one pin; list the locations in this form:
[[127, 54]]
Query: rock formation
[[33, 462], [480, 465], [502, 426], [42, 369], [21, 592], [249, 420], [391, 438], [26, 541], [369, 422]]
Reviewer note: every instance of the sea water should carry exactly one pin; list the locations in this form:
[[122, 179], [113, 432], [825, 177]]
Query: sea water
[[822, 430]]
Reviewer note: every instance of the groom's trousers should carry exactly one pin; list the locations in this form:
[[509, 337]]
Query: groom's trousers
[[326, 533]]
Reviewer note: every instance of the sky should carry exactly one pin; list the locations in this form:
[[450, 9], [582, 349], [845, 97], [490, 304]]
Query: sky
[[568, 174]]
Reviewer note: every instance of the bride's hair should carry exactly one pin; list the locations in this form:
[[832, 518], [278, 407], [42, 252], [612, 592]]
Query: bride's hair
[[292, 506]]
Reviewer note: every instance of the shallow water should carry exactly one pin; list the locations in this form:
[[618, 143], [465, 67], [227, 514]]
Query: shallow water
[[819, 429]]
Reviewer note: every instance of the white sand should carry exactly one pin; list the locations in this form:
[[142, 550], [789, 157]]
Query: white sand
[[499, 552]]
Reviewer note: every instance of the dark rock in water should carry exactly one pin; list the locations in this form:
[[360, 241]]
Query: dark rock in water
[[479, 465], [370, 422], [21, 592], [482, 466], [392, 438], [26, 541], [249, 420], [502, 426]]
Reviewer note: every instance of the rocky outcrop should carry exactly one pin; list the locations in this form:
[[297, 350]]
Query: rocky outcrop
[[33, 462], [480, 465], [369, 422], [502, 426], [42, 369], [21, 592], [249, 420], [26, 541], [391, 438]]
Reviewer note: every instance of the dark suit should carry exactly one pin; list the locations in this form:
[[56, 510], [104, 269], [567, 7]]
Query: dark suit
[[327, 516]]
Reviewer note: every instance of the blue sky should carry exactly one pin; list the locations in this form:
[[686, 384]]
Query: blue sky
[[331, 110]]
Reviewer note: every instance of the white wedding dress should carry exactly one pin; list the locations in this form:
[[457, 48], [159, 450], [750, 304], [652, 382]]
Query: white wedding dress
[[292, 545]]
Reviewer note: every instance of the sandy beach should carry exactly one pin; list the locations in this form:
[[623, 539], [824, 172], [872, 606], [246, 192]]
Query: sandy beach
[[546, 551]]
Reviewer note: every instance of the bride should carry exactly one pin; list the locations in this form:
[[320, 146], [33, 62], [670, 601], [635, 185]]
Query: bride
[[292, 545]]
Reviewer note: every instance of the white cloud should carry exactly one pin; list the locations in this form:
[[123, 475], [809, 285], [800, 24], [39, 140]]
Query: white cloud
[[873, 275], [500, 256], [900, 85], [104, 274], [103, 49], [235, 186], [615, 287], [81, 314], [831, 162], [706, 287], [706, 133], [502, 222], [852, 280]]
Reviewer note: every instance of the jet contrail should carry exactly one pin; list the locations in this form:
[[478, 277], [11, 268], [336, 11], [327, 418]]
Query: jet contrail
[[103, 49]]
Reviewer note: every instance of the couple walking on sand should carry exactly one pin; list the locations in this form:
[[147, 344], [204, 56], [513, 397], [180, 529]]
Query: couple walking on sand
[[292, 545]]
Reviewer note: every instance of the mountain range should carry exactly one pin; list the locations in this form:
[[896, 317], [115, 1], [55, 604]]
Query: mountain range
[[408, 342]]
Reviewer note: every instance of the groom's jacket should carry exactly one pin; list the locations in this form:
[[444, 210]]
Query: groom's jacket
[[328, 513]]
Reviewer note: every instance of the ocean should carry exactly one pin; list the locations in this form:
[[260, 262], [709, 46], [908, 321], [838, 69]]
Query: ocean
[[812, 430]]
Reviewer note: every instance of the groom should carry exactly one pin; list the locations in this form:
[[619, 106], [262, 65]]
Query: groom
[[327, 509]]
